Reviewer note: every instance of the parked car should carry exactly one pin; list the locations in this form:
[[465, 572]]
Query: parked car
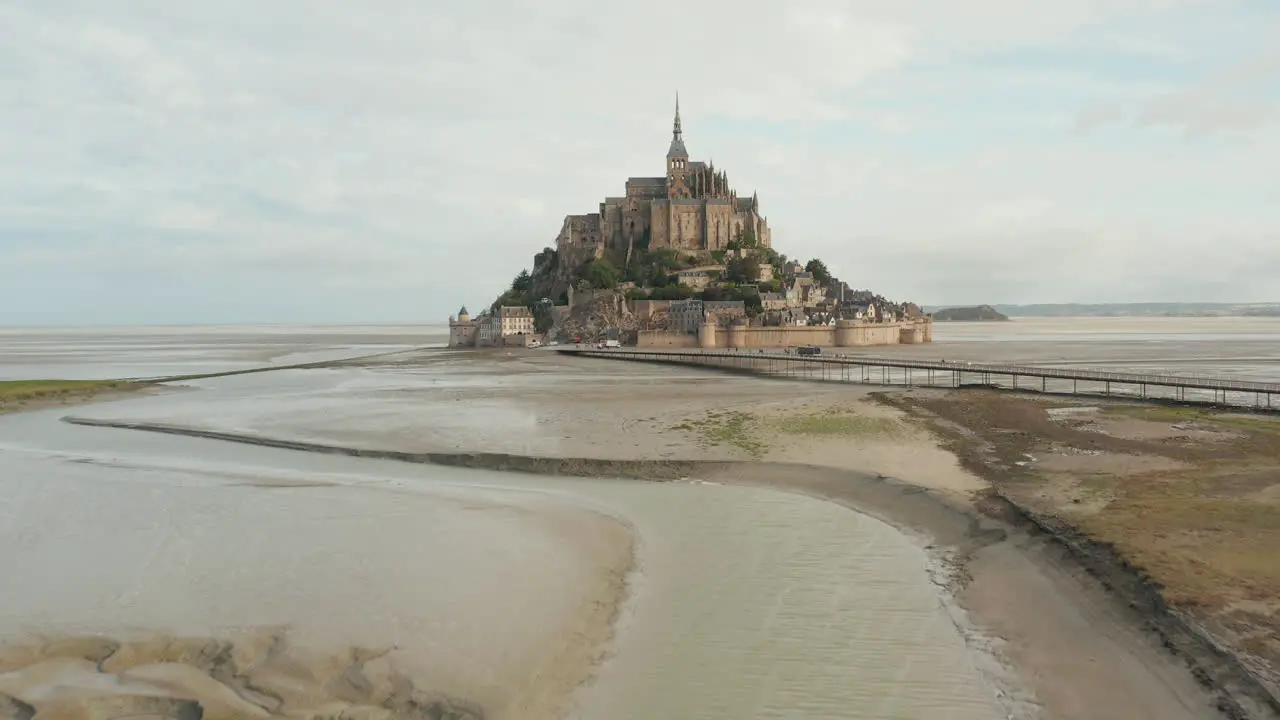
[[809, 350]]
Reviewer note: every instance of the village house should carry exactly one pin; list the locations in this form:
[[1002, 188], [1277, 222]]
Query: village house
[[488, 330], [793, 294], [773, 301], [687, 315], [859, 311], [795, 316], [515, 320], [684, 316]]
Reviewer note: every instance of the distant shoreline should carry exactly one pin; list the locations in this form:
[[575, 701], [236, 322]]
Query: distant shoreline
[[1128, 310]]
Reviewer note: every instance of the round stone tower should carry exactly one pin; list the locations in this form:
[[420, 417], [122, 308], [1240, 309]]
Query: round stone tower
[[738, 333], [846, 333], [707, 332], [463, 315]]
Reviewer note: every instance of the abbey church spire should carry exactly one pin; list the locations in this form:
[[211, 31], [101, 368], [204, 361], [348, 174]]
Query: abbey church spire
[[677, 149]]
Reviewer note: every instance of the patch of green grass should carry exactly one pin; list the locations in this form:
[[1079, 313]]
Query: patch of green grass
[[22, 390], [727, 428], [839, 423], [1186, 414], [1096, 486]]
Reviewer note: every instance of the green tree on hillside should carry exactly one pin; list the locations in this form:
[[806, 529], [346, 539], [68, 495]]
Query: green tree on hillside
[[818, 269], [742, 270], [542, 318], [672, 292], [523, 283], [601, 274], [769, 256]]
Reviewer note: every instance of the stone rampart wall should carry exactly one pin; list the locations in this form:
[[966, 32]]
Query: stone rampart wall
[[777, 337], [664, 339], [844, 334]]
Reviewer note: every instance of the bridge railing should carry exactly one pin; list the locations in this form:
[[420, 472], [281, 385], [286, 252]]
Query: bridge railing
[[1200, 382]]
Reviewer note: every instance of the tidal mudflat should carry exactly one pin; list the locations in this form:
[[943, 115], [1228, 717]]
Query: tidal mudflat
[[817, 556]]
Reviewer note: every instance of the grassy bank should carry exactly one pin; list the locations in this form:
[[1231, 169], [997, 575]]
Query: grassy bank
[[1188, 497], [18, 395], [838, 423], [736, 429]]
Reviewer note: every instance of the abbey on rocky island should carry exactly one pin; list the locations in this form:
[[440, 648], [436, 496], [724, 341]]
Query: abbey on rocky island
[[693, 207]]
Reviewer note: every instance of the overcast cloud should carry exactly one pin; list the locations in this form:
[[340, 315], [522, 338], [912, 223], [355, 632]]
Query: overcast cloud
[[388, 160]]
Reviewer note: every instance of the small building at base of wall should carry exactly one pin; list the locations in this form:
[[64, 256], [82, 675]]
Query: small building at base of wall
[[510, 326]]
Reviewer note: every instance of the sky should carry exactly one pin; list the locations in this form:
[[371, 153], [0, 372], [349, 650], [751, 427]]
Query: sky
[[387, 161]]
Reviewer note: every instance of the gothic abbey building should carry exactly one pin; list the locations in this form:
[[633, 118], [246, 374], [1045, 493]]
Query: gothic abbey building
[[692, 208]]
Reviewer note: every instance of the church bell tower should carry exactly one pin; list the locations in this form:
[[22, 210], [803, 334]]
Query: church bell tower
[[677, 161]]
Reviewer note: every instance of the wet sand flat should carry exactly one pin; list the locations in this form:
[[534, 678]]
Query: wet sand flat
[[542, 403], [749, 601], [801, 602], [331, 569]]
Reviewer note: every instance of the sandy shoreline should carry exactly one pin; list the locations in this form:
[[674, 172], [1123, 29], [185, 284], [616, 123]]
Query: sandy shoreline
[[1058, 644]]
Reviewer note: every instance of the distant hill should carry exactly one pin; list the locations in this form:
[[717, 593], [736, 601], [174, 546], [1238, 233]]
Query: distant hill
[[1143, 310], [1134, 310], [978, 313]]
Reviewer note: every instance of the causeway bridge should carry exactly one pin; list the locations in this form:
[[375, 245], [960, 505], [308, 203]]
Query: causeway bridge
[[873, 370]]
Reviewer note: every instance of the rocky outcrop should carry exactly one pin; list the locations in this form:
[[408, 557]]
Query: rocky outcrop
[[591, 318], [977, 313]]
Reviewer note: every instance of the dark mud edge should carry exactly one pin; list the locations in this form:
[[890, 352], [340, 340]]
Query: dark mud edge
[[656, 470], [1239, 693]]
